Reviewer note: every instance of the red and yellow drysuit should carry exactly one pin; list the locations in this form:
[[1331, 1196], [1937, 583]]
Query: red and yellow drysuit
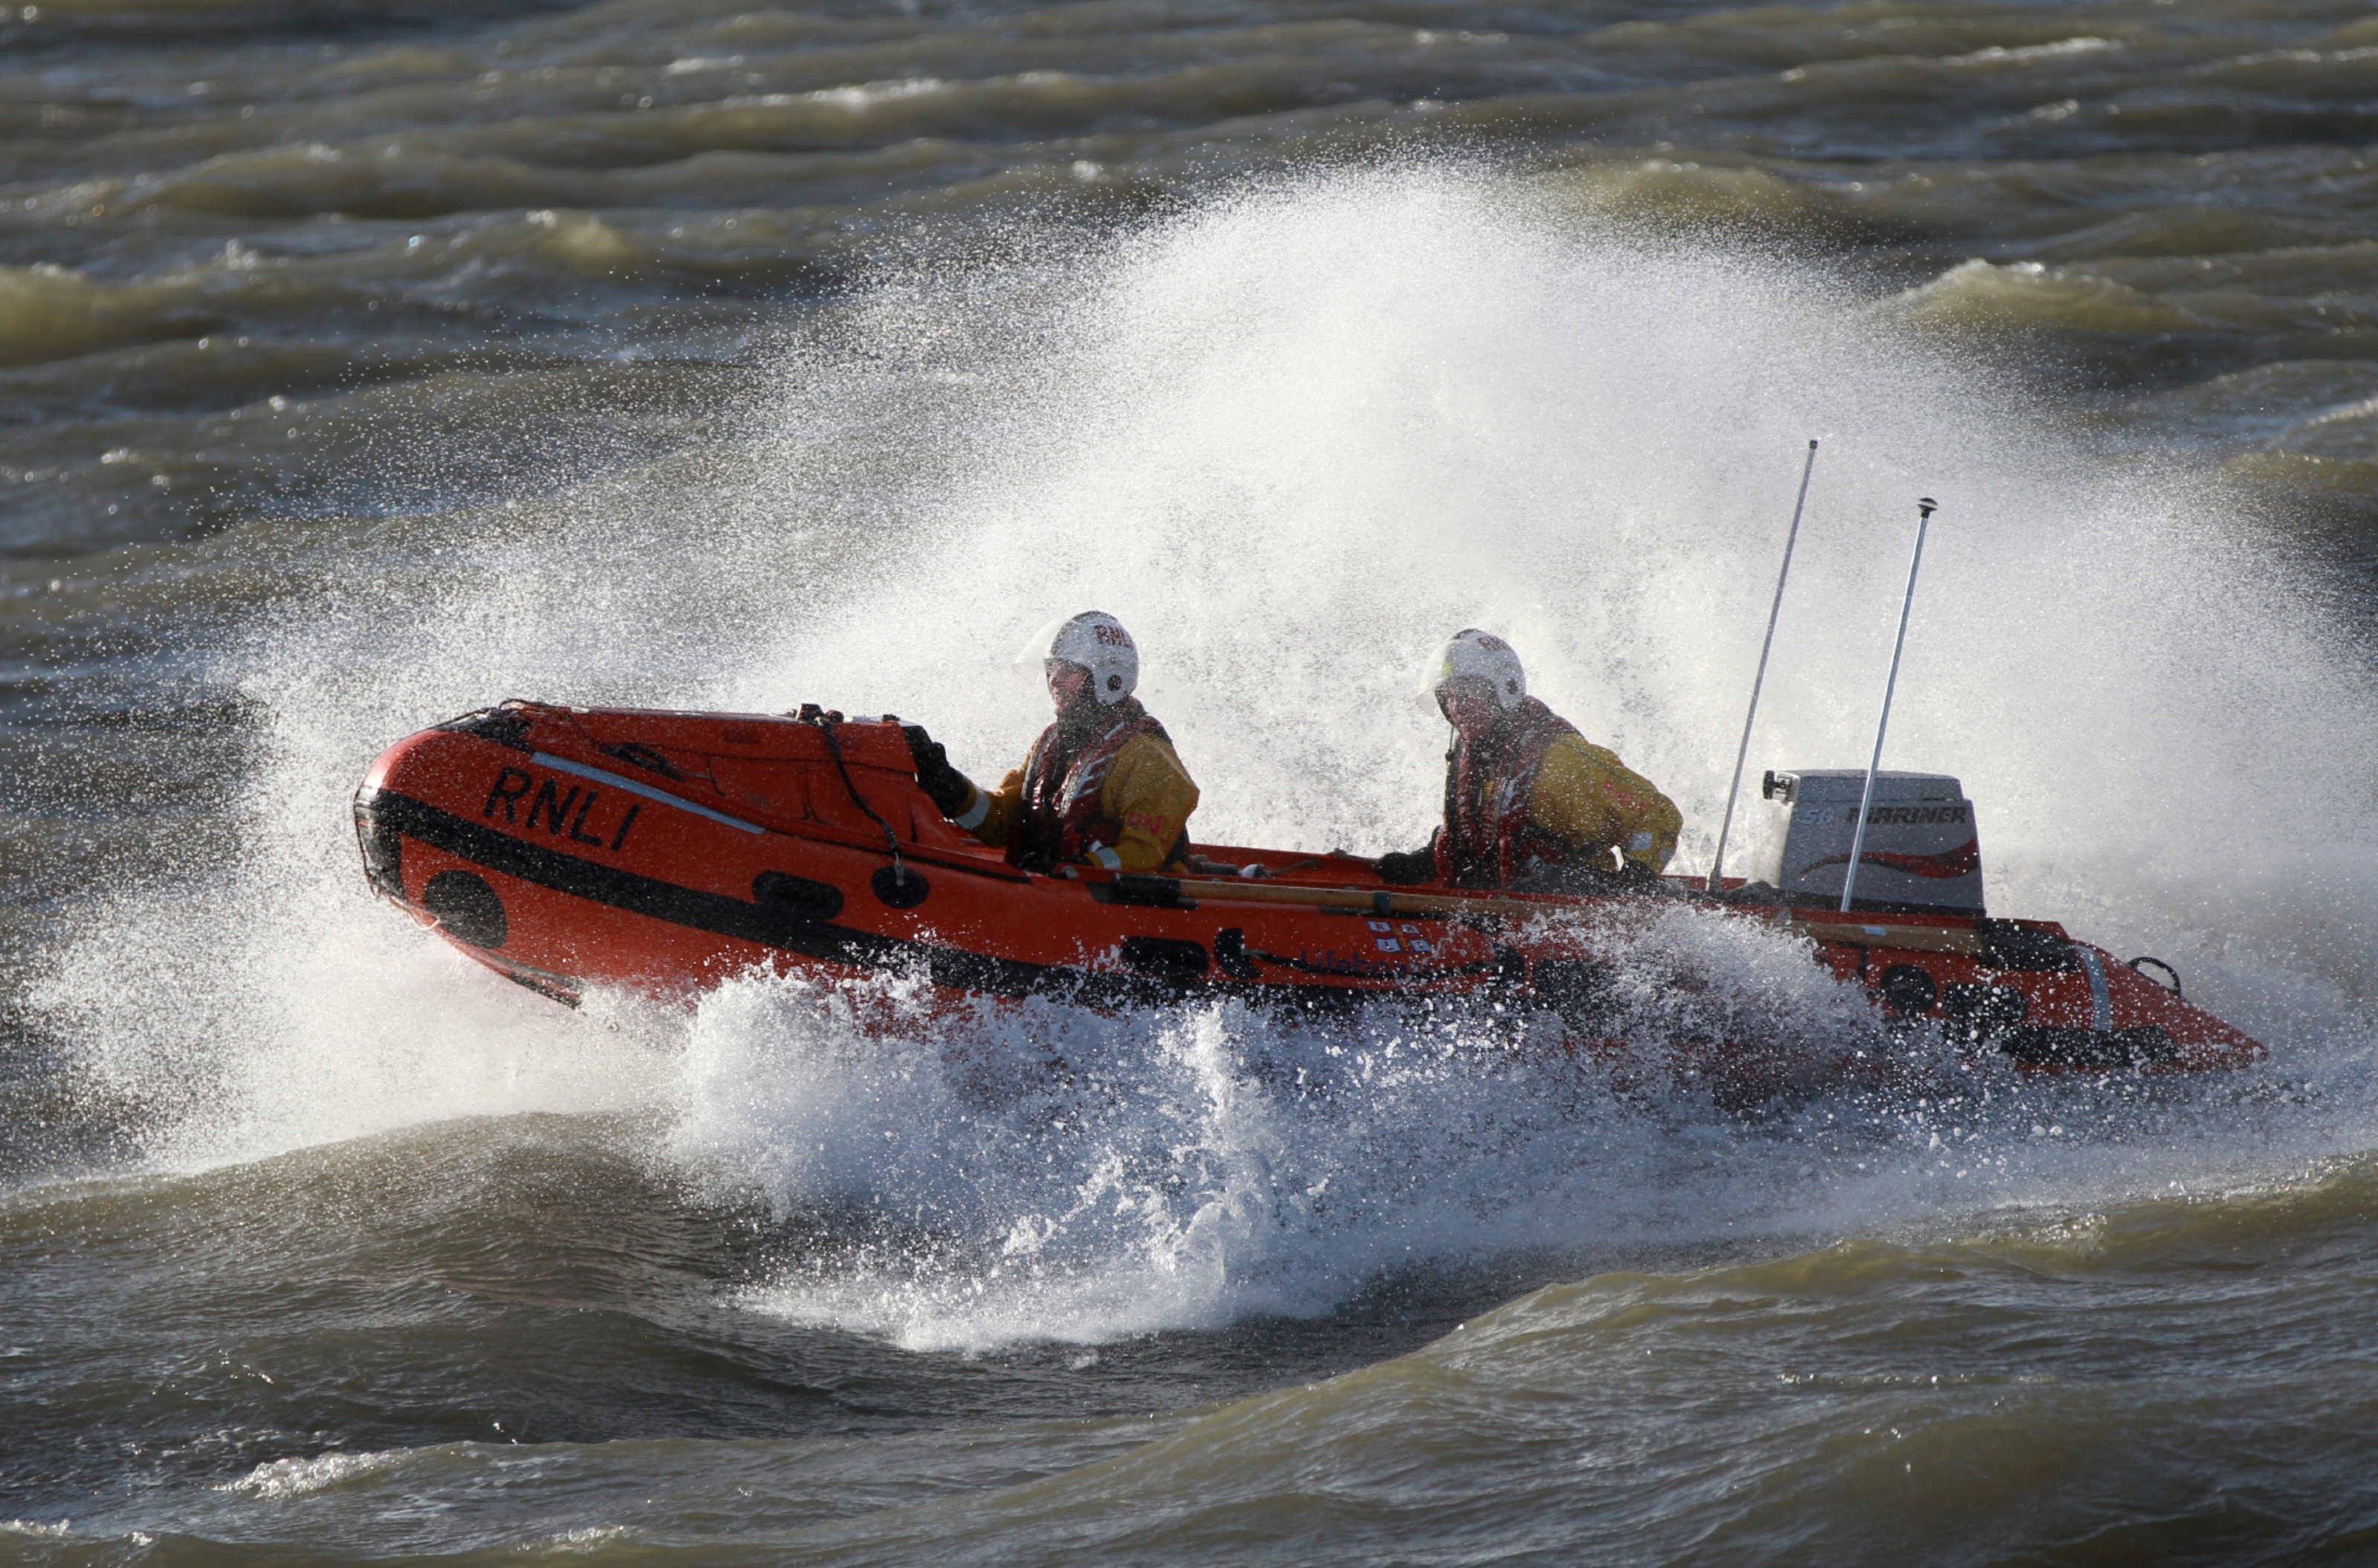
[[1110, 793], [1534, 793]]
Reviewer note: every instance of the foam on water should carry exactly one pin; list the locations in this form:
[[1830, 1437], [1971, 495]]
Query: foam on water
[[1015, 1174], [1018, 1172], [1295, 438]]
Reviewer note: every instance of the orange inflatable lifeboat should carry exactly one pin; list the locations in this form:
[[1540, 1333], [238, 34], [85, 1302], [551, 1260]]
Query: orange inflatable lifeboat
[[568, 848]]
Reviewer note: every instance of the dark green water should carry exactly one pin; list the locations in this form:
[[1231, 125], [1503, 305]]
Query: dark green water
[[361, 366]]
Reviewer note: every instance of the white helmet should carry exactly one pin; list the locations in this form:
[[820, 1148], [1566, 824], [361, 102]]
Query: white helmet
[[1098, 642], [1481, 655]]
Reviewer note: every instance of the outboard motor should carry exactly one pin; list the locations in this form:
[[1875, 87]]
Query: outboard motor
[[1922, 849]]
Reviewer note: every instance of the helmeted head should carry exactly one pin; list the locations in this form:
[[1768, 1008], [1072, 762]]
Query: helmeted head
[[1482, 662], [1095, 642]]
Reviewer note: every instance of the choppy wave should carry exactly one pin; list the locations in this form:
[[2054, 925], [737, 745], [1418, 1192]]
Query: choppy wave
[[2006, 1425], [361, 366], [2029, 294], [2040, 1381]]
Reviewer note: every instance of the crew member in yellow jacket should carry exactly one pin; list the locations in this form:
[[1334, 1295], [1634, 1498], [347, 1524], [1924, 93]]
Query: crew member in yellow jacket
[[1102, 786], [1527, 799]]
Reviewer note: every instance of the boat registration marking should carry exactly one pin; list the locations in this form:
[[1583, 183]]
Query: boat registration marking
[[560, 764]]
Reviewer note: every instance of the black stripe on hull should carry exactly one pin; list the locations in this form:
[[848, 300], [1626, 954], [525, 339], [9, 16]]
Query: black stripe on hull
[[383, 813]]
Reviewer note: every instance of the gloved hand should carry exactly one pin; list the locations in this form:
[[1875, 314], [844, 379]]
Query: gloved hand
[[948, 787], [1403, 867]]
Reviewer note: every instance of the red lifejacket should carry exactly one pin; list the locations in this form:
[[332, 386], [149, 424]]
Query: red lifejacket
[[1487, 842], [1061, 818]]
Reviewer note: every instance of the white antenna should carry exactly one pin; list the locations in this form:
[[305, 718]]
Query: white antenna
[[1717, 861], [1924, 511]]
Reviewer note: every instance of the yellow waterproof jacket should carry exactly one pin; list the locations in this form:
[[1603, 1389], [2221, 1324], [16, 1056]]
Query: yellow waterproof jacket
[[1147, 792], [1589, 799]]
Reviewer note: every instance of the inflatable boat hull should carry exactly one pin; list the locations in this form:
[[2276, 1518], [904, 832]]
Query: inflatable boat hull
[[666, 851]]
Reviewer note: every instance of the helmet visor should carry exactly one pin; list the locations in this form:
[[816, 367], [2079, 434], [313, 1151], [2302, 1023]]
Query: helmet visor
[[1472, 692], [1035, 651]]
